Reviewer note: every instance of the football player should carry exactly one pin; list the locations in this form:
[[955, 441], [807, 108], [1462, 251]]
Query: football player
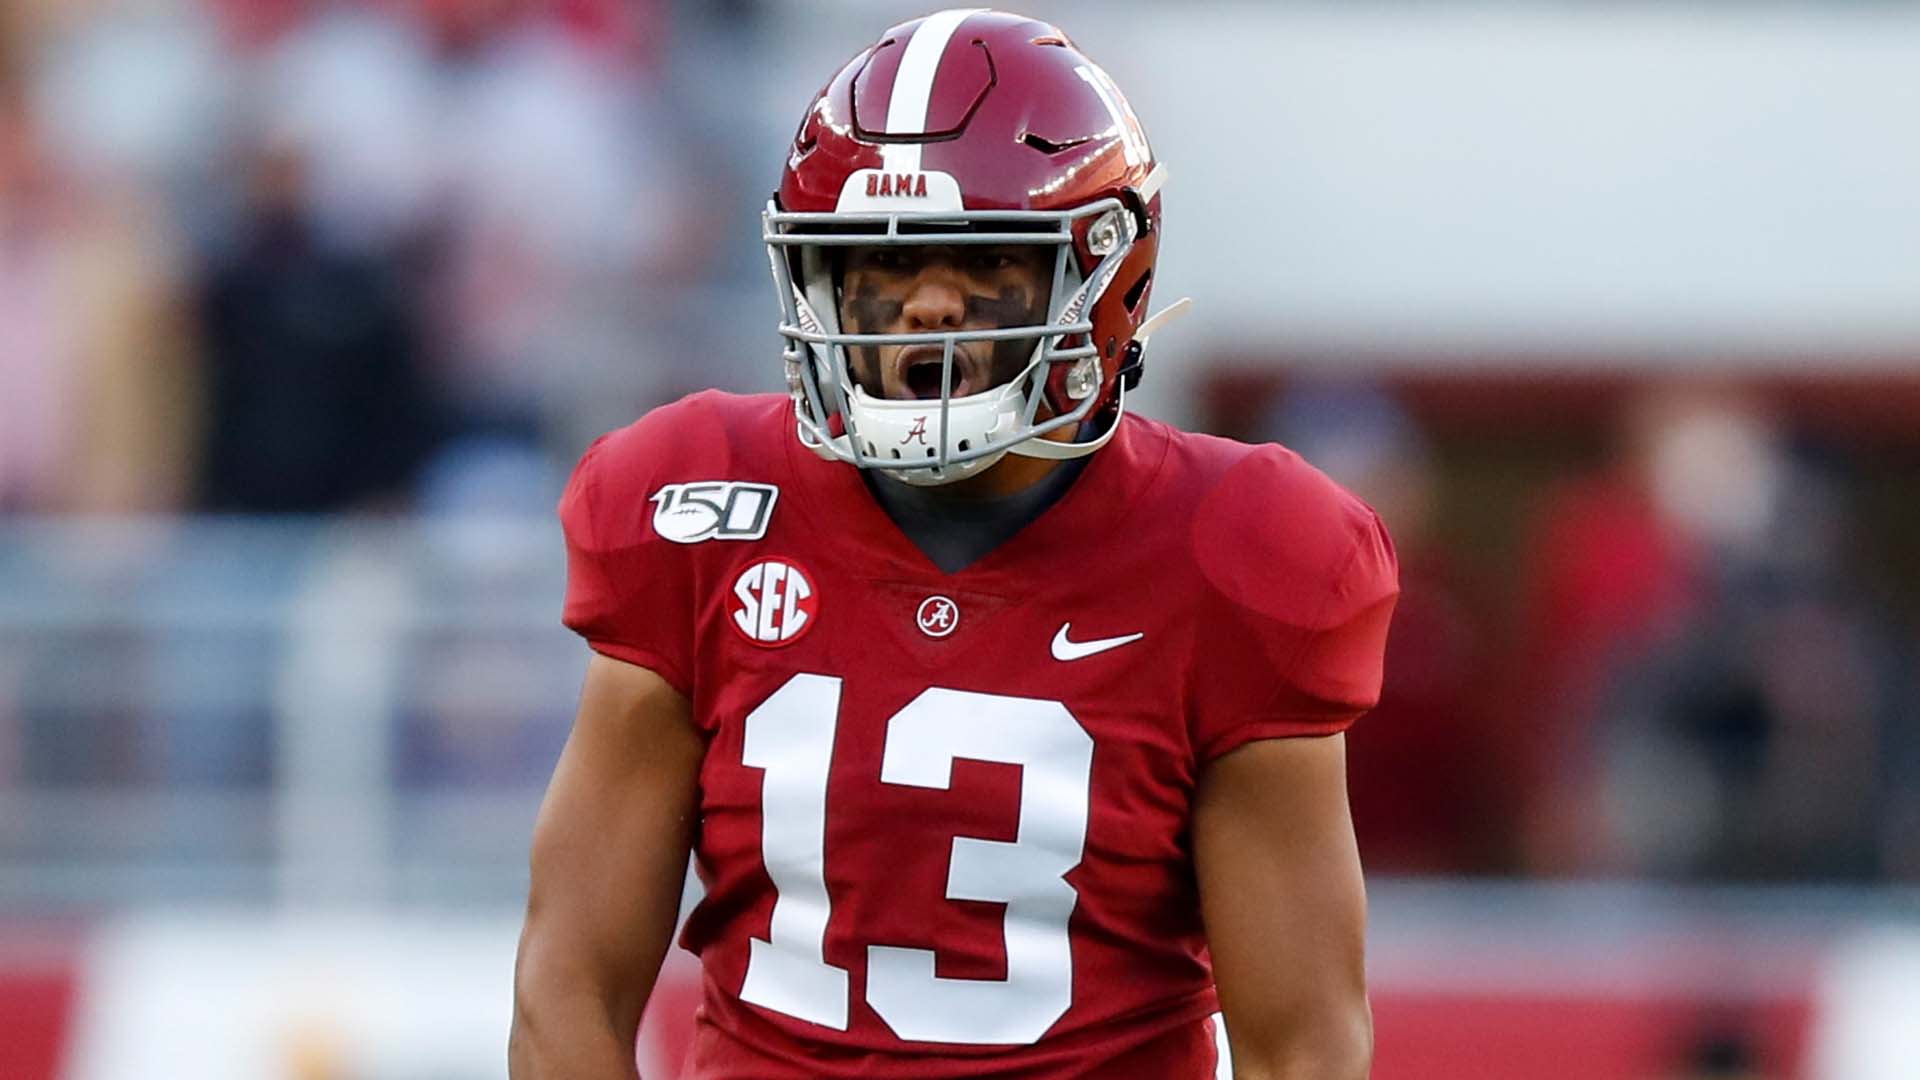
[[1003, 727]]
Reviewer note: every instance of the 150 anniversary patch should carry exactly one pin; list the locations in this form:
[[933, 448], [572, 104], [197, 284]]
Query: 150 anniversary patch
[[713, 510]]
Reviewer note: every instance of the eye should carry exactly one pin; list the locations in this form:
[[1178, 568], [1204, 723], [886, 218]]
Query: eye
[[887, 259], [993, 260]]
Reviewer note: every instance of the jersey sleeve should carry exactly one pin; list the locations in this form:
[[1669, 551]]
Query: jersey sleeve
[[629, 593], [1305, 580]]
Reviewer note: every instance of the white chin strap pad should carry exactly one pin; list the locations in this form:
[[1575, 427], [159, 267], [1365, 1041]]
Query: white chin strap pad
[[901, 433]]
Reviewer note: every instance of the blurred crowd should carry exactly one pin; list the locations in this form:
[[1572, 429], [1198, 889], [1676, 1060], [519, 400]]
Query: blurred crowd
[[1693, 671], [379, 257], [321, 262], [308, 255]]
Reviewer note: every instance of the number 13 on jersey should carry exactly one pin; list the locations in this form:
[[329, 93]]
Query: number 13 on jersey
[[790, 735]]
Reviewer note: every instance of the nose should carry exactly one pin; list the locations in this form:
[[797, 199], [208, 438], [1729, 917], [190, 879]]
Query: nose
[[936, 301]]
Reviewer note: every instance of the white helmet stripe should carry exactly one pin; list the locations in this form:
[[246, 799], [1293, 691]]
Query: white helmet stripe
[[913, 85]]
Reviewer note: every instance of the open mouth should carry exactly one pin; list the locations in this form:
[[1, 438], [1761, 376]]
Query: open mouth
[[919, 373]]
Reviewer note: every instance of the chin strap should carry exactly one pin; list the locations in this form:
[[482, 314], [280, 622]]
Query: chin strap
[[1162, 319], [1042, 447], [1066, 451]]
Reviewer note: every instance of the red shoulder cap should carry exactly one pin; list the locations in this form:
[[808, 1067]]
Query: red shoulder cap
[[1277, 538], [703, 436]]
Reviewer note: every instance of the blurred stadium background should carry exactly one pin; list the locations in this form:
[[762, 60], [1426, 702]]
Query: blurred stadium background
[[306, 308]]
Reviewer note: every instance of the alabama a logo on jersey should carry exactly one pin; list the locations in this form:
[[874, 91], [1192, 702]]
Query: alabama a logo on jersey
[[713, 510]]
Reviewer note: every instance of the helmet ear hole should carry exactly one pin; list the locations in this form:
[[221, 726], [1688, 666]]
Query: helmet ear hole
[[1137, 292]]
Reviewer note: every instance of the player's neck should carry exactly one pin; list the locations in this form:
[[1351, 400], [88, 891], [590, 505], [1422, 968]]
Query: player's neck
[[955, 531]]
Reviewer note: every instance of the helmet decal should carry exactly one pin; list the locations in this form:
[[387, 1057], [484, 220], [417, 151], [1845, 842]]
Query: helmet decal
[[1133, 138], [881, 190], [913, 86]]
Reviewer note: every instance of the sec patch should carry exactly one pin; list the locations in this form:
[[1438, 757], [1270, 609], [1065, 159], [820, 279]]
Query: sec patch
[[774, 603]]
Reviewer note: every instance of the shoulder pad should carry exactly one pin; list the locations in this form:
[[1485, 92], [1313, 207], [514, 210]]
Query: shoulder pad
[[1276, 537]]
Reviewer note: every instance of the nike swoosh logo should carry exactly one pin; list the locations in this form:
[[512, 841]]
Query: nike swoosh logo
[[1063, 649]]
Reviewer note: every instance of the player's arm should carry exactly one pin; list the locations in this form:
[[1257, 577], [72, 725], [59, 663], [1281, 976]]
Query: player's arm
[[609, 862], [1285, 909]]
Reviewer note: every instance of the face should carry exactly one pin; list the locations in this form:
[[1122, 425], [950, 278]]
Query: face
[[912, 289]]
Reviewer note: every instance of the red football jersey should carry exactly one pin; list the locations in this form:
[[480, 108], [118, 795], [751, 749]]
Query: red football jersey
[[944, 817]]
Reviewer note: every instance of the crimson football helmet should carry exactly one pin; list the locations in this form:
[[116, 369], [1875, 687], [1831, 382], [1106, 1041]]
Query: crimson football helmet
[[969, 127]]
